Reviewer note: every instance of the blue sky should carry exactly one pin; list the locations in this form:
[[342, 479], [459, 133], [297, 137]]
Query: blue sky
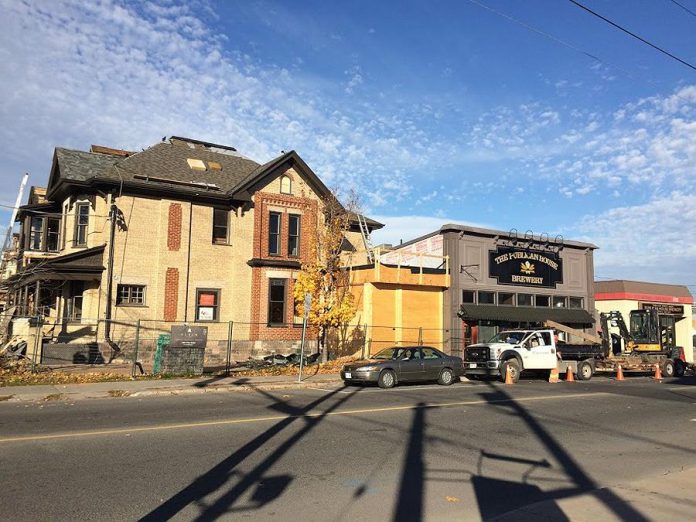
[[434, 111]]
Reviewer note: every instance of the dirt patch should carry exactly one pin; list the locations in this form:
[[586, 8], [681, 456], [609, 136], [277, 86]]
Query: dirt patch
[[119, 393], [55, 397], [5, 397]]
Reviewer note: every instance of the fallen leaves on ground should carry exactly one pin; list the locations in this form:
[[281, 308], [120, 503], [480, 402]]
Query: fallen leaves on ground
[[327, 368]]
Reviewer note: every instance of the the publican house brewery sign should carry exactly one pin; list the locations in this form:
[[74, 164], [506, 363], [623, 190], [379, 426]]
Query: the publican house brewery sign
[[520, 266]]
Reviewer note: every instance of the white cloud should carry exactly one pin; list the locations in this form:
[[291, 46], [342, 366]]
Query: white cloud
[[124, 75], [406, 228], [655, 241]]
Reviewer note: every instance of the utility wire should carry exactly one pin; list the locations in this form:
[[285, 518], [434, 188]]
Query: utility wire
[[573, 47], [683, 7], [634, 35]]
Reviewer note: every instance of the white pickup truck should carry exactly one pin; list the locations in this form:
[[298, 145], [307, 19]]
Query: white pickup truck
[[522, 350]]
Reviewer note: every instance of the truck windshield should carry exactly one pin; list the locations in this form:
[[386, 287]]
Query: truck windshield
[[508, 337]]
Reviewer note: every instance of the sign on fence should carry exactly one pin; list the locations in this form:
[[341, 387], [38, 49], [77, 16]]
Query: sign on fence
[[185, 336]]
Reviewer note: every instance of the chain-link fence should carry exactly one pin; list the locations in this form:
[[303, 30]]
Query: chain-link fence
[[227, 344]]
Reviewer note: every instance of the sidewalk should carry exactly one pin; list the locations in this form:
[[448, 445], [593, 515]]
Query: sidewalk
[[665, 497], [149, 388]]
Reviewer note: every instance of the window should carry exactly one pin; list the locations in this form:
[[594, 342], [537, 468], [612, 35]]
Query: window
[[130, 295], [543, 300], [506, 299], [525, 300], [575, 302], [429, 353], [274, 234], [468, 296], [486, 297], [53, 234], [221, 219], [559, 301], [294, 235], [81, 222], [276, 301], [207, 304], [36, 233], [285, 185]]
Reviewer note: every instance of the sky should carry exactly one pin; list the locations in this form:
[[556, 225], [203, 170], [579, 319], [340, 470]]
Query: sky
[[534, 115]]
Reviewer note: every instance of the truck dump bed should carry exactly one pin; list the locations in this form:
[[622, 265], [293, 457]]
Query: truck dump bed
[[578, 352]]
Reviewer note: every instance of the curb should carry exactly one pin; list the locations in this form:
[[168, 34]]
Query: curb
[[163, 392]]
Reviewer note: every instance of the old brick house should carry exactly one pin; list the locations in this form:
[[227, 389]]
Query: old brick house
[[183, 231]]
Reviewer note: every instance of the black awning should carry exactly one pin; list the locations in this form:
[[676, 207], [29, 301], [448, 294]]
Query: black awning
[[525, 314]]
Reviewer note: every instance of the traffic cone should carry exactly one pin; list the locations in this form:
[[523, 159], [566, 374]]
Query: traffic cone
[[508, 375], [569, 374], [658, 373], [619, 374], [553, 376]]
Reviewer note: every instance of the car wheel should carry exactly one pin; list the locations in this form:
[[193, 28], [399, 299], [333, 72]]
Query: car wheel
[[584, 371], [387, 379], [446, 377], [679, 368], [668, 368], [514, 366]]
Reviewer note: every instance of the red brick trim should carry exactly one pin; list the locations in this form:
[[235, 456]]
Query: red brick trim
[[174, 227], [171, 294]]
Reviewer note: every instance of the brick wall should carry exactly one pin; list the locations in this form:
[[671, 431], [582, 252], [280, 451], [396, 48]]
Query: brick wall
[[265, 203], [171, 294], [174, 227]]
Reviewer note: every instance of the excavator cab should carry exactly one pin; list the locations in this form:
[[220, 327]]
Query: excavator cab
[[645, 331]]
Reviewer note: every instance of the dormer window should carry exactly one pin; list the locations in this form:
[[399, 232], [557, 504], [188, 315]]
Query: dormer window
[[285, 185]]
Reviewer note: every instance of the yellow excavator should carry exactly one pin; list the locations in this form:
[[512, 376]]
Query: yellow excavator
[[644, 333]]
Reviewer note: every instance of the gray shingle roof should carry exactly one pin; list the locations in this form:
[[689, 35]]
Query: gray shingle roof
[[77, 165], [164, 160]]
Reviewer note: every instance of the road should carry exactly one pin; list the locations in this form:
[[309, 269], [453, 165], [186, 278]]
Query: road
[[466, 452]]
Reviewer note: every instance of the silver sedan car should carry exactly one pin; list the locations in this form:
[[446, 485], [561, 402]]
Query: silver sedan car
[[405, 363]]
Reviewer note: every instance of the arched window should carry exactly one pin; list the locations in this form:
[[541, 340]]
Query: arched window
[[285, 185]]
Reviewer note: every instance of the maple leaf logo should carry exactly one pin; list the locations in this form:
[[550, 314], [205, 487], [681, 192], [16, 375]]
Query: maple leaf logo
[[527, 268]]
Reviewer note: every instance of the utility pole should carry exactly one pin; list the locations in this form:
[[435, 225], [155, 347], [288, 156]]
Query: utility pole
[[8, 237]]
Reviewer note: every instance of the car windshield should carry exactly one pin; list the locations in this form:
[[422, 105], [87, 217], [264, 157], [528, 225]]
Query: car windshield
[[508, 337], [388, 353]]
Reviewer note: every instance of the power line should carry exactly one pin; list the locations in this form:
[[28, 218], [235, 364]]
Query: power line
[[572, 47], [634, 35], [684, 7]]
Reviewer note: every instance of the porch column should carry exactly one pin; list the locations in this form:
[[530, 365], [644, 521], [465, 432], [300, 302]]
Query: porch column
[[25, 301], [37, 297]]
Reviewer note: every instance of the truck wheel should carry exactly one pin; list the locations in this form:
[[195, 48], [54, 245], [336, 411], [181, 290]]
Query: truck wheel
[[514, 366], [446, 377], [387, 379], [584, 371], [679, 368], [668, 368]]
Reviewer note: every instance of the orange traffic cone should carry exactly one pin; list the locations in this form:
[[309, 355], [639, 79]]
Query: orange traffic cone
[[553, 376], [508, 375], [658, 373], [619, 374], [569, 374]]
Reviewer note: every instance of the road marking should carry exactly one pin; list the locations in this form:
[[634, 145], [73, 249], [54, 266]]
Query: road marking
[[228, 422]]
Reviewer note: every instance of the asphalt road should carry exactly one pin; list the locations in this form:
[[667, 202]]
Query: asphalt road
[[466, 452]]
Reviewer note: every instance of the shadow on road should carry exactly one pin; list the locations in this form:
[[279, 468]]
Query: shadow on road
[[409, 504], [496, 497], [267, 487]]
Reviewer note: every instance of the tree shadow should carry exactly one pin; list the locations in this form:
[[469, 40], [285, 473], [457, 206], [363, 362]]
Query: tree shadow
[[267, 488]]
